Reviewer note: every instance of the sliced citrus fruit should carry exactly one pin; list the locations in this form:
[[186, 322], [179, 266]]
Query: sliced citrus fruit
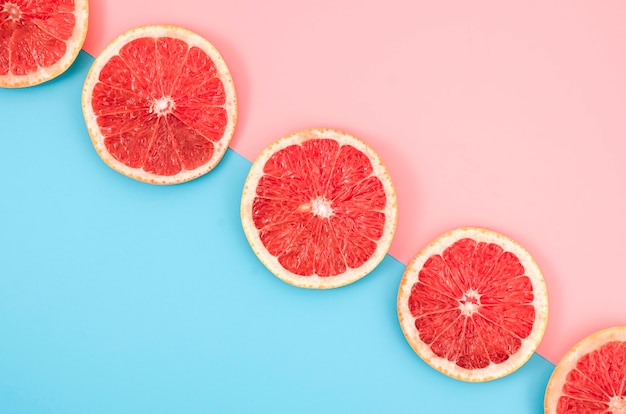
[[473, 304], [591, 377], [319, 208], [160, 105], [39, 40]]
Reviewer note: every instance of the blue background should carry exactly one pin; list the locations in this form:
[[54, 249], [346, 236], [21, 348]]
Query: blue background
[[123, 297]]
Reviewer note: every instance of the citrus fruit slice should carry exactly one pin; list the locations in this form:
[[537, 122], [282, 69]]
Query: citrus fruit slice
[[473, 304], [591, 377], [39, 40], [319, 208], [160, 105]]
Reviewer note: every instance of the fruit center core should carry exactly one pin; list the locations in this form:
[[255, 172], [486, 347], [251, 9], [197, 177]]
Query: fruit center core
[[617, 405], [470, 302], [163, 106], [321, 207], [13, 11]]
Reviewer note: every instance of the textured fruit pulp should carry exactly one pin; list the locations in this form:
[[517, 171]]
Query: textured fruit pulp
[[597, 384], [318, 208], [160, 105], [33, 34], [473, 304]]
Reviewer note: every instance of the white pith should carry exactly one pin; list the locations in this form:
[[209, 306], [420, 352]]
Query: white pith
[[540, 302], [321, 207], [470, 302], [554, 390], [617, 405], [163, 104], [13, 10], [271, 262], [74, 45]]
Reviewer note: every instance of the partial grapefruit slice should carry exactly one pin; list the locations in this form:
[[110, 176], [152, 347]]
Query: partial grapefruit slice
[[473, 304], [39, 40], [591, 377], [319, 208], [160, 105]]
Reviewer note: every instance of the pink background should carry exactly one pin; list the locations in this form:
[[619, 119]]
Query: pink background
[[507, 115]]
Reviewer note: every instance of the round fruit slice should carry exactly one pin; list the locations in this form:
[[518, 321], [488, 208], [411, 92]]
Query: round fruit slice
[[473, 304], [591, 377], [39, 40], [319, 208], [160, 105]]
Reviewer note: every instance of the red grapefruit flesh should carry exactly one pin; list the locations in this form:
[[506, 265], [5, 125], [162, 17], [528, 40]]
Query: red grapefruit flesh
[[591, 377], [473, 304], [160, 105], [39, 40], [319, 208]]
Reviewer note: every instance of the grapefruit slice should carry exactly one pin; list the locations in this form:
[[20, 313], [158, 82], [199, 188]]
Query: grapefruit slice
[[319, 208], [473, 304], [160, 105], [591, 377], [39, 40]]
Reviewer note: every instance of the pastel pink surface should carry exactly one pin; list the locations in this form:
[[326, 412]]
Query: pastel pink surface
[[510, 117]]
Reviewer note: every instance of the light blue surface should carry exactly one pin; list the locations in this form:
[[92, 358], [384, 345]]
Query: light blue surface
[[123, 297]]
